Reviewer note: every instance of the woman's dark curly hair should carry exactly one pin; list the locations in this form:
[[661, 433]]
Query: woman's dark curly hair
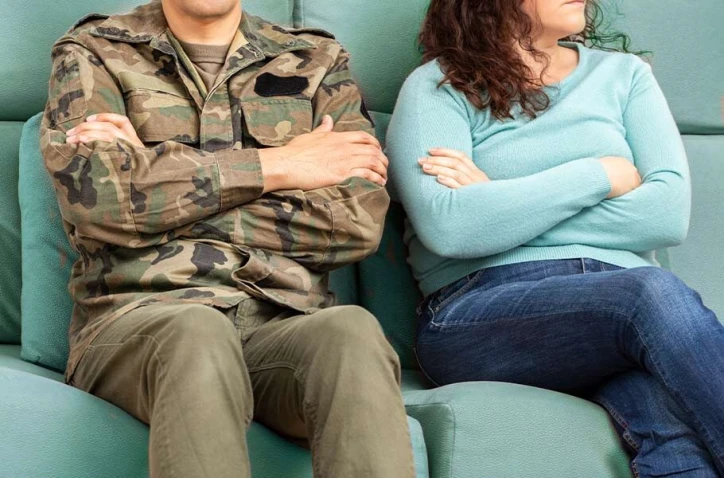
[[475, 44]]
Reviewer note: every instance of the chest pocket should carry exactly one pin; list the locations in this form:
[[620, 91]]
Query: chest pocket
[[276, 121], [159, 111]]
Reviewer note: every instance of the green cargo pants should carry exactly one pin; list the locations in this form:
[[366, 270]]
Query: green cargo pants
[[199, 376]]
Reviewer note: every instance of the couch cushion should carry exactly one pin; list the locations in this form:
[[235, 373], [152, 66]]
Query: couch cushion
[[381, 36], [47, 260], [687, 40], [493, 430], [10, 358], [29, 28], [700, 260], [388, 290], [51, 429], [9, 234]]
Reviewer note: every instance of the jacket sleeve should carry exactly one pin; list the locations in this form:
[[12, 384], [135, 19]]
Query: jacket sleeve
[[655, 215], [122, 194], [357, 206]]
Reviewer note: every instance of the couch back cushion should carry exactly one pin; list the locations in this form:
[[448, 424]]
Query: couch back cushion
[[700, 260], [28, 29], [687, 40], [10, 282]]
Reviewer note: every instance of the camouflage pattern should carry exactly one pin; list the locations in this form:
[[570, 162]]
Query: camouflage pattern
[[184, 218]]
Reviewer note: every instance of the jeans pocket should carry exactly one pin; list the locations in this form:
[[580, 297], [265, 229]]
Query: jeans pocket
[[448, 294]]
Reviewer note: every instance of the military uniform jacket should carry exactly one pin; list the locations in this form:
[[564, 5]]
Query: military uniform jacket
[[184, 219]]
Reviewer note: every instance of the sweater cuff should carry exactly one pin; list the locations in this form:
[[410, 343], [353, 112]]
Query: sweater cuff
[[596, 178], [240, 177]]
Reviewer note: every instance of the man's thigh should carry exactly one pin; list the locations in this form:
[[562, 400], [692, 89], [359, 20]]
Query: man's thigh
[[289, 353], [121, 364]]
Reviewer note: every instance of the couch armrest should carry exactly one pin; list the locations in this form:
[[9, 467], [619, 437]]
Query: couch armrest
[[494, 430]]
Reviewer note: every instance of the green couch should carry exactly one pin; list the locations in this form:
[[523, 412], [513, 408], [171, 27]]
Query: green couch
[[471, 430]]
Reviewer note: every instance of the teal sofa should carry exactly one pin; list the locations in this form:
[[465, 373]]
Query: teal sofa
[[470, 430]]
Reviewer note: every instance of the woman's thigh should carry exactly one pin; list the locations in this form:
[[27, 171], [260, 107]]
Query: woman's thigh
[[565, 331]]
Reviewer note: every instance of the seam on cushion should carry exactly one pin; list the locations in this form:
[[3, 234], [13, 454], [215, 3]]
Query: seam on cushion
[[450, 409]]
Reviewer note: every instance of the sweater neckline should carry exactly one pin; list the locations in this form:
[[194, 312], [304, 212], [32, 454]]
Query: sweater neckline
[[577, 70]]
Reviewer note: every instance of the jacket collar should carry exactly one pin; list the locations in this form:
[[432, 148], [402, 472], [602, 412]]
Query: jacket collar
[[147, 24]]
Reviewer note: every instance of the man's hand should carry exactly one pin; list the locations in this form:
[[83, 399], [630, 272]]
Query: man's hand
[[104, 127], [323, 158], [452, 168]]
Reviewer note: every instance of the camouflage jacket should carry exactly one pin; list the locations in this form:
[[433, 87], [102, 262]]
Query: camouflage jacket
[[183, 219]]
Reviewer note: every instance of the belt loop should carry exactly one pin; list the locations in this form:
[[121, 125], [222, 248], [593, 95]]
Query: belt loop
[[583, 265]]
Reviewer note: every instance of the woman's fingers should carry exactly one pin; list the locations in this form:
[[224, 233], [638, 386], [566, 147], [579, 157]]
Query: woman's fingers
[[454, 174], [454, 154], [449, 182], [460, 162]]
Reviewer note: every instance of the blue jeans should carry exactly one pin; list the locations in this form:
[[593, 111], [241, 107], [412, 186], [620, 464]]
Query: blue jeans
[[637, 341]]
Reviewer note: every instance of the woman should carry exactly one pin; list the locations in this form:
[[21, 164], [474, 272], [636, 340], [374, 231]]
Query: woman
[[532, 232]]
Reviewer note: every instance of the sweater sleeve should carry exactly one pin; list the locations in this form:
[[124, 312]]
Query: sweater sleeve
[[655, 215], [485, 218]]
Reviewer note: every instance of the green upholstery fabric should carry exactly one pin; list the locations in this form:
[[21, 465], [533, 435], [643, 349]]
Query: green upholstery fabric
[[388, 290], [687, 39], [343, 283], [493, 430], [47, 260], [700, 260], [10, 358], [380, 35], [99, 439], [29, 28], [60, 431], [9, 234]]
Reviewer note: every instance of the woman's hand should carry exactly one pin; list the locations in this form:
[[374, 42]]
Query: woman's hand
[[104, 127], [452, 168], [622, 174]]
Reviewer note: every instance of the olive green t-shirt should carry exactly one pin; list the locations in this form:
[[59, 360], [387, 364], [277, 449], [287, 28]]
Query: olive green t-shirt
[[208, 60]]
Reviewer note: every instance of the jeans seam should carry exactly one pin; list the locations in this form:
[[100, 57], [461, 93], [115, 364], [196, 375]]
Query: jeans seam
[[422, 369], [677, 397], [471, 282], [615, 415], [520, 317]]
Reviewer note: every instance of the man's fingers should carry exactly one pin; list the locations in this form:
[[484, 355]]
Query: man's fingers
[[119, 120], [369, 175], [372, 162], [97, 126], [89, 136], [326, 126], [360, 137]]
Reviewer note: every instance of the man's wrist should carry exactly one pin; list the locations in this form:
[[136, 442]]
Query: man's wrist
[[272, 168]]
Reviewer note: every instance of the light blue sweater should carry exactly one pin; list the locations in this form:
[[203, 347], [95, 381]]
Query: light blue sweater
[[547, 197]]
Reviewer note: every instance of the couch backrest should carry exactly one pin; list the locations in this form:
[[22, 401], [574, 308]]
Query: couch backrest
[[688, 47]]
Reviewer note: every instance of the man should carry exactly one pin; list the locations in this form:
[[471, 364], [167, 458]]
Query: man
[[211, 168]]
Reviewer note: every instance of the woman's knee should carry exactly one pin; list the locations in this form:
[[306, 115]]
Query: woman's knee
[[664, 304]]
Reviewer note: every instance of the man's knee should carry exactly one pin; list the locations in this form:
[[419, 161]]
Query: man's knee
[[354, 332]]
